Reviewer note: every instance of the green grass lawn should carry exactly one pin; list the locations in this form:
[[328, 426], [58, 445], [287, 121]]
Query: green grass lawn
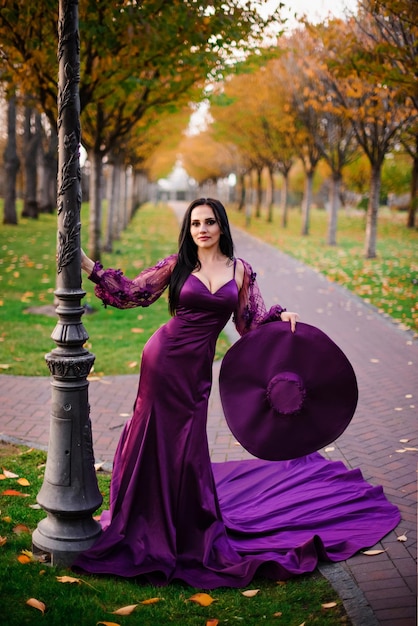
[[27, 279], [90, 600], [27, 283], [389, 282]]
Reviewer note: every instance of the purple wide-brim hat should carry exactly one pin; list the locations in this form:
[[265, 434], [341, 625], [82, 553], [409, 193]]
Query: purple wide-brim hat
[[284, 394]]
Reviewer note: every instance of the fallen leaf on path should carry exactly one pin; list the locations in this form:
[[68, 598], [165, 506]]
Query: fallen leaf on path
[[373, 552], [125, 610], [402, 538], [204, 599], [36, 604]]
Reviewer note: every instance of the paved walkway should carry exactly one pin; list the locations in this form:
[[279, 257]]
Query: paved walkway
[[382, 438]]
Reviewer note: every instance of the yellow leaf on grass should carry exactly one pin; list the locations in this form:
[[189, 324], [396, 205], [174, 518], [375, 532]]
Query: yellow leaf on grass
[[13, 492], [329, 605], [108, 623], [204, 599], [4, 366], [23, 481], [125, 610], [36, 604], [402, 538], [137, 330], [212, 622], [277, 614], [21, 528], [68, 579], [151, 601], [3, 540], [250, 593], [28, 553], [373, 552]]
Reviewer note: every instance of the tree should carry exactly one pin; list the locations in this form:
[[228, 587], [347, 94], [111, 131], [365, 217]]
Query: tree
[[320, 114], [11, 164], [393, 31], [378, 112], [32, 138], [134, 57]]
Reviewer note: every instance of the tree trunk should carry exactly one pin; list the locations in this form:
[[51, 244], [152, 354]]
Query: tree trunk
[[95, 208], [372, 212], [123, 202], [333, 209], [259, 192], [284, 198], [111, 208], [32, 140], [307, 202], [270, 202], [414, 185], [11, 165], [47, 192], [241, 203]]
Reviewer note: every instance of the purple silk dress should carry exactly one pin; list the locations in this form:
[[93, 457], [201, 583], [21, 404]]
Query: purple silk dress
[[176, 516]]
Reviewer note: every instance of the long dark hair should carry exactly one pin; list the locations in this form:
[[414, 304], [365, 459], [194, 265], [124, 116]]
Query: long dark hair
[[188, 259]]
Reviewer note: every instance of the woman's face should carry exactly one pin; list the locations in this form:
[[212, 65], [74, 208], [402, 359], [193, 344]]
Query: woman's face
[[204, 227]]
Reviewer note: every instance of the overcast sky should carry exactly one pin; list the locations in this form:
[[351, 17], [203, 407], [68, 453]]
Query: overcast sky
[[316, 10]]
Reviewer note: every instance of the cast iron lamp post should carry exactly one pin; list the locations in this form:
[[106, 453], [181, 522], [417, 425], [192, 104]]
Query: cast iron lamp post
[[69, 493]]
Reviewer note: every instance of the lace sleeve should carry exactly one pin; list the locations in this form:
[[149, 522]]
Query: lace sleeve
[[115, 289], [251, 311]]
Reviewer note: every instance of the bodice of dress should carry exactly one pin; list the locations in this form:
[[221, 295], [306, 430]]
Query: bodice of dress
[[201, 315], [249, 310]]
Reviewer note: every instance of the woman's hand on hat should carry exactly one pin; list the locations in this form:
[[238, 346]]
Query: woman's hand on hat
[[290, 316]]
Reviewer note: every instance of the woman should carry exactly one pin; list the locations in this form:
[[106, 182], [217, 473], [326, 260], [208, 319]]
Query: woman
[[165, 520]]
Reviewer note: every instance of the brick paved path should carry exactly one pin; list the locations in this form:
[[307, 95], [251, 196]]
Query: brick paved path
[[378, 590]]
